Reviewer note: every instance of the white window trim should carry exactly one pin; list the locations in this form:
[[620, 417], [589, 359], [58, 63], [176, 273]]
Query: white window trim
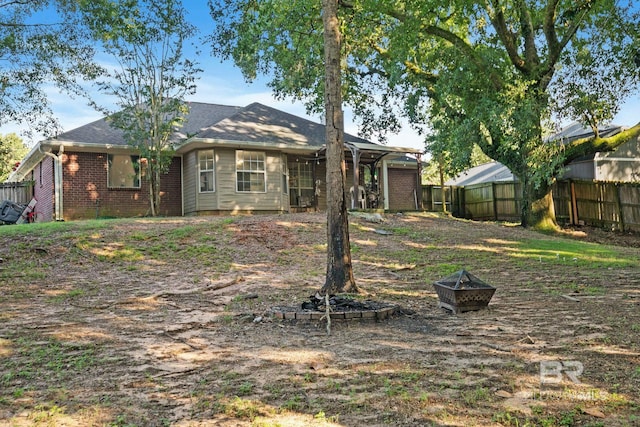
[[263, 172], [212, 170], [285, 174], [299, 188]]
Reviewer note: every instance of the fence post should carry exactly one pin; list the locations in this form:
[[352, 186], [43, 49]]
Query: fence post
[[619, 205], [495, 202], [574, 203]]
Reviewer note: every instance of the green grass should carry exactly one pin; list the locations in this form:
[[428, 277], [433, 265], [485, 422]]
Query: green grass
[[37, 359], [566, 251]]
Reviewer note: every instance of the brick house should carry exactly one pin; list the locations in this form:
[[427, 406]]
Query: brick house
[[228, 160]]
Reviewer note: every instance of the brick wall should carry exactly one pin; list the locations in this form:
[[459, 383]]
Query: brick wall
[[86, 194], [43, 189], [402, 184]]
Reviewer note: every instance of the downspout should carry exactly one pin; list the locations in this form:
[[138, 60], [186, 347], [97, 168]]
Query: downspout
[[57, 181], [385, 183]]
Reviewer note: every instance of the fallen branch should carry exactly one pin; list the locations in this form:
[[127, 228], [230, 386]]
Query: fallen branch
[[405, 267], [212, 287], [528, 339], [217, 286]]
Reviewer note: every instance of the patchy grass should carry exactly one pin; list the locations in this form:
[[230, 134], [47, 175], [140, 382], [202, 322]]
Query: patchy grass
[[169, 321]]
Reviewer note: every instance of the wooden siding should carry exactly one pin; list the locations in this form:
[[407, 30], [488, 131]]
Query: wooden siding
[[189, 182], [620, 170], [226, 198]]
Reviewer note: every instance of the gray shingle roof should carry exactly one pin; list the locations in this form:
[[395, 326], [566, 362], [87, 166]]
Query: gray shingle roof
[[576, 130], [255, 122], [101, 131], [487, 172], [260, 123]]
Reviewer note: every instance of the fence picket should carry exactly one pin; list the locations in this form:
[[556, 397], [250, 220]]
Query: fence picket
[[603, 204]]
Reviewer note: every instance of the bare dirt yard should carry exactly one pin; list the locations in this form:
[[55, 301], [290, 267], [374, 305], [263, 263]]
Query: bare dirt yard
[[170, 322]]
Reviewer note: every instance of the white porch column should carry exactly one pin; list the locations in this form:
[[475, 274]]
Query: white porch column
[[385, 184]]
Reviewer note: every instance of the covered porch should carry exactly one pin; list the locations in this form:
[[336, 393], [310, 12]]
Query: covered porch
[[379, 177]]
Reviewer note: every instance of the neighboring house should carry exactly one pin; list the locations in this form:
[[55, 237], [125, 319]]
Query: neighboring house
[[620, 165], [482, 174], [227, 160]]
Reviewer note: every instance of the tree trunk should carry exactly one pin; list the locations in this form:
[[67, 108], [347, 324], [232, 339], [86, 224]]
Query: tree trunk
[[538, 211], [152, 204], [339, 267], [156, 192]]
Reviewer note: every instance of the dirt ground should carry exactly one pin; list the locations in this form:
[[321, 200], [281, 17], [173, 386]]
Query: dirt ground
[[169, 322]]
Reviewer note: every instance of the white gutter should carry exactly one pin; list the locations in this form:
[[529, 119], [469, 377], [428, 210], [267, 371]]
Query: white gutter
[[57, 181]]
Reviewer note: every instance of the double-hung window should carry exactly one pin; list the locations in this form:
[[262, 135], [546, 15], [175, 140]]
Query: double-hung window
[[250, 171], [123, 171], [206, 171]]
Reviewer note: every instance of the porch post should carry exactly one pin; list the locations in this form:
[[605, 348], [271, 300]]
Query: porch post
[[419, 183], [385, 183]]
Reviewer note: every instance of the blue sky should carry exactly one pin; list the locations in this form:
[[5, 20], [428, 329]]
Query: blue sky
[[222, 83]]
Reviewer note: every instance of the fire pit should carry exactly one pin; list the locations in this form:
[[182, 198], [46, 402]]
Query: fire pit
[[341, 307], [462, 291]]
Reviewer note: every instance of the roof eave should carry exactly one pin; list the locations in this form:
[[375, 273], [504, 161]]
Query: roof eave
[[37, 153], [195, 143], [370, 146]]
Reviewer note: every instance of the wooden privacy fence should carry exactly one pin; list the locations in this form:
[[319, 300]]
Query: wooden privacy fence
[[17, 192], [601, 204]]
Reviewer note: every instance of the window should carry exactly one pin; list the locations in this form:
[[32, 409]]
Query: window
[[206, 171], [250, 171], [123, 171], [301, 184]]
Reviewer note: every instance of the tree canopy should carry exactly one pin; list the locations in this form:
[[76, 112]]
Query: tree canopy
[[153, 76], [38, 54], [12, 150], [476, 72]]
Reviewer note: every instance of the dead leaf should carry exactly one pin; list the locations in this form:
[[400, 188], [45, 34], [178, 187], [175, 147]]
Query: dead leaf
[[594, 412], [503, 393]]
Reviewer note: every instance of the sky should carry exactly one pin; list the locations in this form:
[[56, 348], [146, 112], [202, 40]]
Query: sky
[[223, 83]]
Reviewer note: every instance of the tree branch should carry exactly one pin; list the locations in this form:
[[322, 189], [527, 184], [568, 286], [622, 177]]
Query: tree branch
[[529, 36], [496, 15], [584, 146]]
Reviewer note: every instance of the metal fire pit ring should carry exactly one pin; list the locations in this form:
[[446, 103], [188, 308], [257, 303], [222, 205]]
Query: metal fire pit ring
[[462, 291]]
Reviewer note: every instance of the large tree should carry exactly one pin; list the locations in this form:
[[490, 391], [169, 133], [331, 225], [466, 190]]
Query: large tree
[[43, 48], [339, 277], [12, 150], [479, 72], [147, 38], [322, 44]]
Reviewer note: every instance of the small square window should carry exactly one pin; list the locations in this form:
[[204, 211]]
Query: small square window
[[123, 171]]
